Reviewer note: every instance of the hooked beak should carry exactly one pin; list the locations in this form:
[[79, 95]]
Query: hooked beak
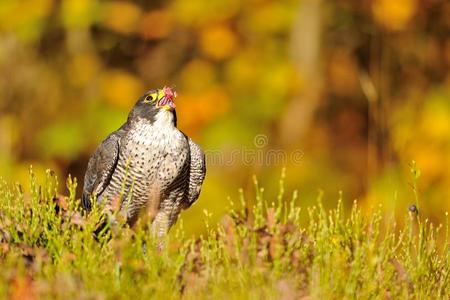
[[166, 101]]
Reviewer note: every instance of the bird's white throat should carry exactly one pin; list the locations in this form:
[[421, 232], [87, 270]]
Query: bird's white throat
[[161, 131], [164, 119]]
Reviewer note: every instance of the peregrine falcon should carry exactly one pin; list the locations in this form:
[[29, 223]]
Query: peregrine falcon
[[147, 165]]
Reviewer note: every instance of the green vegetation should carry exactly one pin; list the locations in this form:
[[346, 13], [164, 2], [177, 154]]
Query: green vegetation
[[260, 249]]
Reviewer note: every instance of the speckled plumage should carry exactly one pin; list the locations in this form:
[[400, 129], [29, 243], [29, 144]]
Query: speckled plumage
[[148, 165]]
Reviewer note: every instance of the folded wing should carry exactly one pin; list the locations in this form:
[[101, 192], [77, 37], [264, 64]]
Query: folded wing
[[197, 171], [101, 166]]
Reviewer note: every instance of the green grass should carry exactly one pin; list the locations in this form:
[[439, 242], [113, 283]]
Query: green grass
[[259, 250]]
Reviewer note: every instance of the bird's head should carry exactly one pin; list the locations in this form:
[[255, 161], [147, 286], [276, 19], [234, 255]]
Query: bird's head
[[155, 102], [160, 98]]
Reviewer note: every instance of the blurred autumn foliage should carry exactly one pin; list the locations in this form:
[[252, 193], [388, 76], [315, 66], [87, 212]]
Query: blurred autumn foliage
[[361, 87]]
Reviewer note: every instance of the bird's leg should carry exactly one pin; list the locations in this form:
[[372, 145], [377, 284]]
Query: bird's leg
[[155, 200], [158, 217], [160, 225], [160, 228]]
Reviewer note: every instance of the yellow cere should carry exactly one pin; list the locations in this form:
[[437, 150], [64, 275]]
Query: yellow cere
[[160, 94]]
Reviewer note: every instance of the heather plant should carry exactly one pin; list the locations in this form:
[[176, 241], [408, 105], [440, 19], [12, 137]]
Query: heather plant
[[262, 248]]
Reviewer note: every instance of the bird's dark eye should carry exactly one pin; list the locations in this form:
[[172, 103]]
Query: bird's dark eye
[[150, 98]]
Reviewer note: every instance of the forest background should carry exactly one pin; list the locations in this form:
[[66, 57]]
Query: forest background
[[343, 94]]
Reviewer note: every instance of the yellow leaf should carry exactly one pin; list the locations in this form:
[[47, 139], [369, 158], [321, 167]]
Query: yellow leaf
[[121, 16], [201, 13], [120, 88], [24, 18], [218, 42], [392, 14], [79, 13], [155, 24], [83, 68], [203, 107], [197, 75]]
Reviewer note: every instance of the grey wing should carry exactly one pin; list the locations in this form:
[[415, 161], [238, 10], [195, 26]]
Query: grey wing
[[101, 166], [197, 171]]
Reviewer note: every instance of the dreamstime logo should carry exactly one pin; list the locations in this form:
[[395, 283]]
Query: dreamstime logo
[[261, 140], [259, 155]]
